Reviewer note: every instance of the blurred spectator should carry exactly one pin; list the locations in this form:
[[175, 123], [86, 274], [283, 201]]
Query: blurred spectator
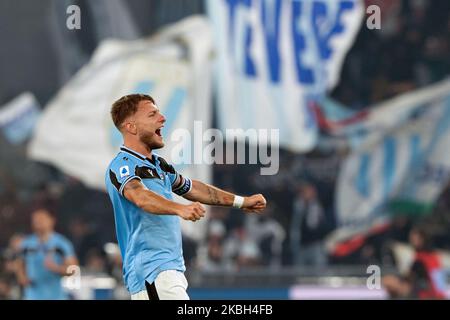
[[11, 256], [241, 250], [308, 228], [96, 263], [210, 255], [426, 277], [83, 237], [114, 261], [269, 235], [410, 51], [377, 246], [189, 249]]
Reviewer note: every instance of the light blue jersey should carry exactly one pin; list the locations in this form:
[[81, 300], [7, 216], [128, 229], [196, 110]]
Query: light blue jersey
[[149, 243], [45, 284]]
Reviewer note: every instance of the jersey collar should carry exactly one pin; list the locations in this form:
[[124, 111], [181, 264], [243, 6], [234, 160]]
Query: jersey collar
[[138, 155], [49, 239]]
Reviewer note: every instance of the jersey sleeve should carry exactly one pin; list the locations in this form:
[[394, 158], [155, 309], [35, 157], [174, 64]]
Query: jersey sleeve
[[67, 248], [180, 184], [121, 171]]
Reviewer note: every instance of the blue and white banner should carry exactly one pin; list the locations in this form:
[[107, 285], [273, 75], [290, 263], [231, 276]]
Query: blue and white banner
[[277, 56], [403, 156], [18, 118]]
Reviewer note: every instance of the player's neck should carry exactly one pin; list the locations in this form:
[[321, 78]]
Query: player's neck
[[139, 147], [44, 236]]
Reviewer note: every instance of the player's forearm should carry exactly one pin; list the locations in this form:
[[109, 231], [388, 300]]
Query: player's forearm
[[153, 203], [61, 270], [21, 275], [149, 201], [208, 194]]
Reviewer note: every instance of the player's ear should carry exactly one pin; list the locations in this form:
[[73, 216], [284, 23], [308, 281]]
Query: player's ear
[[130, 127]]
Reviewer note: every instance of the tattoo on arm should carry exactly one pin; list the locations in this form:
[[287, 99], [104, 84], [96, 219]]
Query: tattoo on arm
[[133, 185], [213, 196]]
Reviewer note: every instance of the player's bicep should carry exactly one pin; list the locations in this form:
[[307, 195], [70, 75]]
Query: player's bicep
[[120, 173], [133, 190]]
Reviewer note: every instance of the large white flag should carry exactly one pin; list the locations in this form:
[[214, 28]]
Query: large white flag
[[76, 133], [277, 56], [403, 157]]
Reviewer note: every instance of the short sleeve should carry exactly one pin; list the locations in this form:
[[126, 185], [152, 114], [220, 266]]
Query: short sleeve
[[180, 184], [121, 171], [67, 248]]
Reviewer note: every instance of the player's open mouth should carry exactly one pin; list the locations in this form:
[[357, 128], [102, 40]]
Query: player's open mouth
[[158, 132]]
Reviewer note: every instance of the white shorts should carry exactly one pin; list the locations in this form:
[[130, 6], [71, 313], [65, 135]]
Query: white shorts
[[168, 285]]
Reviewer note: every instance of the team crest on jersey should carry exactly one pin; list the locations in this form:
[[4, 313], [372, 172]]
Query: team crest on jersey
[[124, 171]]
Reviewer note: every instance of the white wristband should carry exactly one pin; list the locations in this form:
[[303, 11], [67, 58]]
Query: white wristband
[[238, 202]]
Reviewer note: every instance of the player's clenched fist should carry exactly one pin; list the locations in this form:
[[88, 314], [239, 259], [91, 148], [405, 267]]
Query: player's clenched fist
[[194, 211], [254, 203]]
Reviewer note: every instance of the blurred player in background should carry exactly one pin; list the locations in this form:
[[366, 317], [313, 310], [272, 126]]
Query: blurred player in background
[[45, 258], [140, 185]]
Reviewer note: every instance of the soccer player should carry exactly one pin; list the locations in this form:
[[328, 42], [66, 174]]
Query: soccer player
[[45, 258], [140, 185]]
